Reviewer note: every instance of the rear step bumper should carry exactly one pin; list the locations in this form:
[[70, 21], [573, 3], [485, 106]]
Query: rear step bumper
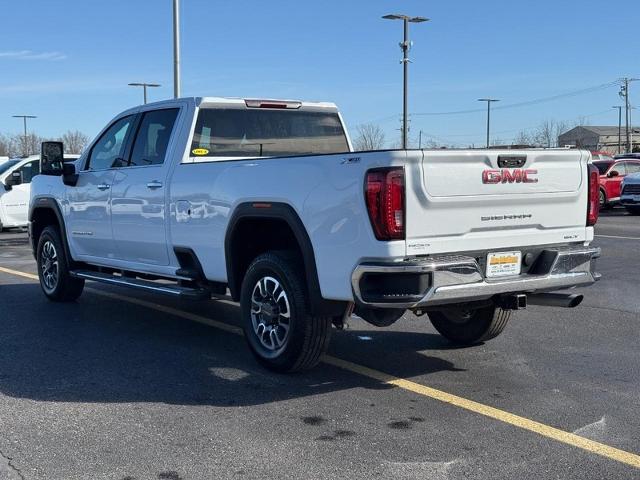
[[147, 285], [452, 279]]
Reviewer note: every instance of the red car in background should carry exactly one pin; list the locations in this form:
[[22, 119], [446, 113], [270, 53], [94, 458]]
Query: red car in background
[[611, 174]]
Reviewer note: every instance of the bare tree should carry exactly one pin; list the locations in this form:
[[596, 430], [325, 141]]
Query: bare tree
[[74, 141], [523, 138], [4, 145], [370, 137], [544, 135]]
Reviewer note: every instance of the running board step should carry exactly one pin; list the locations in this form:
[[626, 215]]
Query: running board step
[[147, 285]]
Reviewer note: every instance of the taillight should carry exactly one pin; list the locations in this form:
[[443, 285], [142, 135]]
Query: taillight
[[593, 207], [384, 190]]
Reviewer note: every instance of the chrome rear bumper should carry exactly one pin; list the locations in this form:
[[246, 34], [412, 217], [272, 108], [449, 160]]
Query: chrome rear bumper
[[450, 279]]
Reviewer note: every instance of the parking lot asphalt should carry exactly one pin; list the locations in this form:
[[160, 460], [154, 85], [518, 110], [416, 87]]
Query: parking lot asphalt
[[126, 385]]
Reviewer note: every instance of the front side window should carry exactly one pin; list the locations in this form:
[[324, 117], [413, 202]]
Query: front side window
[[30, 170], [108, 151], [620, 168], [228, 132], [152, 140]]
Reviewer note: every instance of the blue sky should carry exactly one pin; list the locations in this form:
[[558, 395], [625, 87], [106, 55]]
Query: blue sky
[[69, 61]]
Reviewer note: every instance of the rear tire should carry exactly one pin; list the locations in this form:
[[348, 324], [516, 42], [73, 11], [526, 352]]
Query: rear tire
[[633, 210], [53, 268], [278, 325], [469, 327]]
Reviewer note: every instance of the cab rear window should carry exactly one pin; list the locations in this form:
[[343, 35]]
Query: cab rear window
[[237, 133]]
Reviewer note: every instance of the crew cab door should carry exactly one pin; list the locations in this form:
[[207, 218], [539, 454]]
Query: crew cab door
[[88, 216], [138, 210], [15, 202]]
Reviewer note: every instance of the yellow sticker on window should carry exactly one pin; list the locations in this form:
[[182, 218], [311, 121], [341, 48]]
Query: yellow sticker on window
[[199, 151]]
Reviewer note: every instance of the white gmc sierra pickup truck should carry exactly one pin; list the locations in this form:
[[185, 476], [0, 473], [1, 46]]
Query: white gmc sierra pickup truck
[[194, 196]]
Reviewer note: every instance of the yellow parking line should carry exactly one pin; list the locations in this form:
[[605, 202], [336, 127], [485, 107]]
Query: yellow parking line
[[18, 273], [562, 436]]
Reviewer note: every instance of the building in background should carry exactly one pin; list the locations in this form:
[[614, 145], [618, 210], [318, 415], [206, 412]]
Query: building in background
[[598, 138]]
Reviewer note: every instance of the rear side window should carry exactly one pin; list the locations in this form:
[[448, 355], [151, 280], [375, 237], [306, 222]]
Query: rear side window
[[602, 166], [108, 151], [266, 133], [152, 140]]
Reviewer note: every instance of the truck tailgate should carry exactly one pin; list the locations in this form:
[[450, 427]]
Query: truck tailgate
[[471, 200]]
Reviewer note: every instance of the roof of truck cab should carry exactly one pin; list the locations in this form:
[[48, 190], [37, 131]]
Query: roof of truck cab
[[233, 102]]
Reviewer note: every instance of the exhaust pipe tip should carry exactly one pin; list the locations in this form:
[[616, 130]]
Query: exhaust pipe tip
[[575, 301], [564, 300]]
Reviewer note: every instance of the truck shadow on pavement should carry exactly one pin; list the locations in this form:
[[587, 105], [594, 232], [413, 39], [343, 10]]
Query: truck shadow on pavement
[[104, 350]]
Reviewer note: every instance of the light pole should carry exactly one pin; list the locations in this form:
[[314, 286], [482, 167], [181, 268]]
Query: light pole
[[405, 46], [144, 87], [619, 107], [624, 93], [488, 100], [25, 151], [176, 48]]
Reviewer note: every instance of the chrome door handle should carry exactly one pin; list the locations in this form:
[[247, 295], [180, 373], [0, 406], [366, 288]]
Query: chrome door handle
[[155, 184], [103, 186]]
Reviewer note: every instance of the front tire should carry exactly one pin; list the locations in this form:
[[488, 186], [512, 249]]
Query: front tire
[[53, 268], [603, 200], [469, 327], [278, 325]]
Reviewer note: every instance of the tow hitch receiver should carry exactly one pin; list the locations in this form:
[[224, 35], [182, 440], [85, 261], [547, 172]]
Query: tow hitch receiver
[[513, 301]]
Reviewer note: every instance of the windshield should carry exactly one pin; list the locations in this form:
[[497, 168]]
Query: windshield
[[7, 165], [232, 132], [603, 166]]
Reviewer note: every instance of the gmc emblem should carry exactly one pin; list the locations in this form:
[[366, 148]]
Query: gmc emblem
[[505, 175]]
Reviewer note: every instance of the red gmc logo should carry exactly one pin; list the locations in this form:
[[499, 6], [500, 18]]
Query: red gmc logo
[[516, 175]]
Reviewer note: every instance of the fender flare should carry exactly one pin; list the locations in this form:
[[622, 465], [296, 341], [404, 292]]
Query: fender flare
[[47, 203], [283, 212]]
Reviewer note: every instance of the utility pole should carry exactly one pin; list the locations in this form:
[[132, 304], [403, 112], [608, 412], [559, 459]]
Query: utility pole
[[420, 140], [488, 100], [624, 93], [25, 150], [405, 46], [176, 48], [144, 87], [619, 107]]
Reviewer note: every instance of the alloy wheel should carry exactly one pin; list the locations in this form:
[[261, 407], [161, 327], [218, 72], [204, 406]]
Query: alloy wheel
[[270, 314]]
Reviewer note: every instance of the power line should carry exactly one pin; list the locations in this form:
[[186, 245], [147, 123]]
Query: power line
[[528, 102]]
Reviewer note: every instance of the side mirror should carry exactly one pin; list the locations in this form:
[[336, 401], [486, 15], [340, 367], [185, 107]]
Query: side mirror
[[52, 158], [69, 175], [12, 180], [613, 173]]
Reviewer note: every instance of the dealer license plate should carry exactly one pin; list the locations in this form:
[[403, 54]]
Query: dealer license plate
[[502, 264]]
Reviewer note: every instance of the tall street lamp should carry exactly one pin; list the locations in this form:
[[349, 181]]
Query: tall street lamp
[[405, 46], [488, 100], [25, 151], [144, 87]]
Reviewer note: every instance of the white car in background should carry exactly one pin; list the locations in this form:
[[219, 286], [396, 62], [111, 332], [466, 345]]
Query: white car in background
[[15, 189]]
